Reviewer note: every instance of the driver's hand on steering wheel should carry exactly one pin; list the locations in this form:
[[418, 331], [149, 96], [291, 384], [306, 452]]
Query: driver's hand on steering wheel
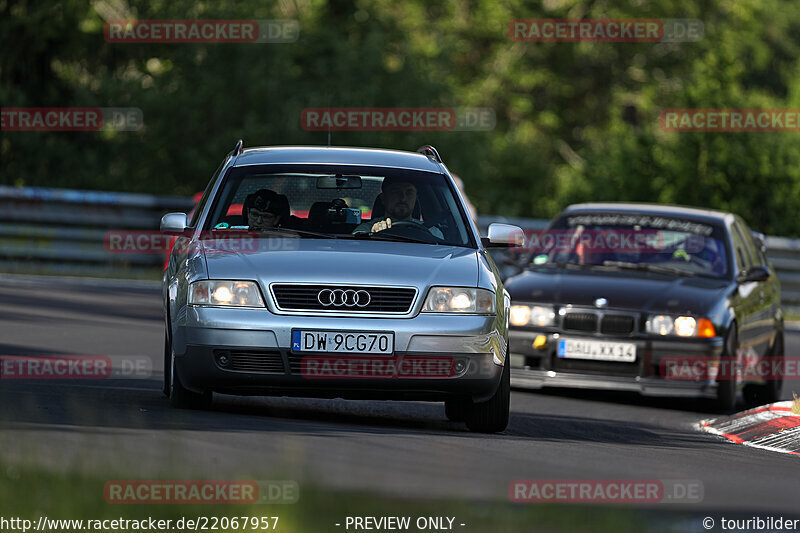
[[382, 225]]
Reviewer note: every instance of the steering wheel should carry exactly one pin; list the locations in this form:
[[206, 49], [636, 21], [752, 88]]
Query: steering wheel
[[415, 228]]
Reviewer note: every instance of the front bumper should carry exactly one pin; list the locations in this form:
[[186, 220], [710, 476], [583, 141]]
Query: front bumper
[[538, 368], [262, 340]]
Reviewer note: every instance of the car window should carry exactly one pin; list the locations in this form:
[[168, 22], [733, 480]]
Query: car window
[[743, 257], [340, 200], [204, 199], [752, 248], [762, 256], [599, 238]]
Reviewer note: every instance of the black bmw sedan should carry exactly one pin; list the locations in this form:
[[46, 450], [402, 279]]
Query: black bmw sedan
[[662, 300]]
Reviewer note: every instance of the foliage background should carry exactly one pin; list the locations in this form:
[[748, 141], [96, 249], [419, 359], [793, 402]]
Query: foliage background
[[575, 121]]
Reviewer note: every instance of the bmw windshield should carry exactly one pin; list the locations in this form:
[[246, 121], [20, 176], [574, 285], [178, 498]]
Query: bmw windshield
[[633, 242]]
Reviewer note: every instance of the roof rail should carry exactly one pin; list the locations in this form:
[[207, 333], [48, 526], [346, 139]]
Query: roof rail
[[430, 151], [238, 149]]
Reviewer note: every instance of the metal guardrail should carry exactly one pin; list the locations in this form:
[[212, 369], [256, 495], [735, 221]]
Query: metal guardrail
[[784, 254], [62, 231]]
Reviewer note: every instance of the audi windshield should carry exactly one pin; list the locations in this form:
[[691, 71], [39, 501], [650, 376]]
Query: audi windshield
[[323, 201]]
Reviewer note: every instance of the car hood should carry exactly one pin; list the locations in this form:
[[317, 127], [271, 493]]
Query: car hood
[[623, 290], [347, 262]]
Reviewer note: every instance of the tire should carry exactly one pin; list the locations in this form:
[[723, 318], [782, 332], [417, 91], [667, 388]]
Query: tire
[[769, 392], [726, 387], [179, 396], [454, 409], [491, 416], [167, 366]]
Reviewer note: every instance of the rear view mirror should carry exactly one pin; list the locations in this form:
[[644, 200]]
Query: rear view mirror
[[339, 181], [174, 223], [504, 236]]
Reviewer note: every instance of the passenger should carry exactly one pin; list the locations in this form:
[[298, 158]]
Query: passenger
[[265, 209]]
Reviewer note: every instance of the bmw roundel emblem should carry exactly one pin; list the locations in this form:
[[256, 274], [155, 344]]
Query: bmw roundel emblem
[[600, 303]]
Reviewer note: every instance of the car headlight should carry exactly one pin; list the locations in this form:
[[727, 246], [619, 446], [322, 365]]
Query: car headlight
[[225, 293], [681, 326], [459, 300], [532, 315]]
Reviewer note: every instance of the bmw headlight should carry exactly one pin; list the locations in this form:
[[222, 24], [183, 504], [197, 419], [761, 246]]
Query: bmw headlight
[[225, 293], [459, 300], [533, 315], [681, 326]]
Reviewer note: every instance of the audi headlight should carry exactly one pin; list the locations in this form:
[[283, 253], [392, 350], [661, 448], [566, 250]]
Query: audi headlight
[[225, 293], [681, 326], [459, 300], [533, 315]]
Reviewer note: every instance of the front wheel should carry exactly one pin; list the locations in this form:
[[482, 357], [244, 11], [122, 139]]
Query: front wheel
[[769, 392], [167, 366], [726, 379], [454, 409], [179, 396], [491, 416]]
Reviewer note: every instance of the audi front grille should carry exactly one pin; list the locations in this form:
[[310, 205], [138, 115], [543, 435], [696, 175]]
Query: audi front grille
[[343, 298]]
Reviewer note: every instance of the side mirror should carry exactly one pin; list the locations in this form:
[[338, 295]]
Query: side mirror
[[174, 223], [504, 236], [756, 273]]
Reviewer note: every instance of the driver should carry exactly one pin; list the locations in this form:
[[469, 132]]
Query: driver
[[265, 209], [399, 199]]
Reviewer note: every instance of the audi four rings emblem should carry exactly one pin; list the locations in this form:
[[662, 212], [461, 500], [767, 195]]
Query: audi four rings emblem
[[344, 298]]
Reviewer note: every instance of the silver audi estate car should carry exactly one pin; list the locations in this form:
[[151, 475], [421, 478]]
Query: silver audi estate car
[[337, 272]]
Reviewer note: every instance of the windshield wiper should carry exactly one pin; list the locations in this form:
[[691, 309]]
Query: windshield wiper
[[648, 267], [301, 232], [562, 264], [398, 238]]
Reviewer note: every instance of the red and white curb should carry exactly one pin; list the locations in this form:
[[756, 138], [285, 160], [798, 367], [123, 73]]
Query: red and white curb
[[774, 427]]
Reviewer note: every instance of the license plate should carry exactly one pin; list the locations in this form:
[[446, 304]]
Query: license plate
[[623, 352], [342, 341]]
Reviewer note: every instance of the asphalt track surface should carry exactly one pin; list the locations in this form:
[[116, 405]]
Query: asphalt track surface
[[125, 429]]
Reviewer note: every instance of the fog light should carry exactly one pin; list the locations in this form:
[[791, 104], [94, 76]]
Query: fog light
[[539, 343], [223, 358], [460, 366]]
